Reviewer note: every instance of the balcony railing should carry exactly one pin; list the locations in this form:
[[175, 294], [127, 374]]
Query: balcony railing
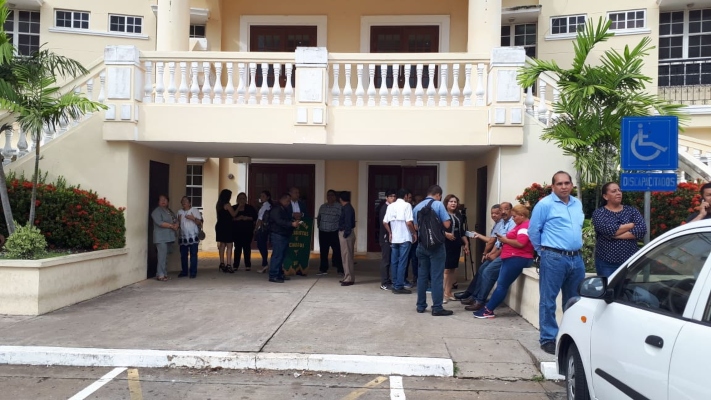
[[685, 81]]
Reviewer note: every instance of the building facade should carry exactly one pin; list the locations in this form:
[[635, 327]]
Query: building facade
[[205, 95]]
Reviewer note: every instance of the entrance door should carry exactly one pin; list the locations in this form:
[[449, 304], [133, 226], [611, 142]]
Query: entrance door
[[278, 178], [404, 39], [280, 38], [482, 215], [384, 177], [158, 178]]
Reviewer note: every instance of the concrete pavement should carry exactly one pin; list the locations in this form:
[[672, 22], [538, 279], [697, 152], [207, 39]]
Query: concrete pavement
[[242, 312]]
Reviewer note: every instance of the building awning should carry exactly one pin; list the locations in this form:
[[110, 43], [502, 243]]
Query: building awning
[[198, 16], [520, 14]]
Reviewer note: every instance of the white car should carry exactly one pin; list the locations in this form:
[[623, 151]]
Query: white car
[[644, 333]]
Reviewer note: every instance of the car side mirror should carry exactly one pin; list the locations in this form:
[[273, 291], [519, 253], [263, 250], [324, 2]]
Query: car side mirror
[[609, 296], [594, 287]]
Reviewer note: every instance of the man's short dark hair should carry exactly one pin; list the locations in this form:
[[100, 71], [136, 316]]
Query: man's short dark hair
[[390, 192], [434, 190], [402, 193], [345, 196], [704, 187], [331, 191], [561, 172], [284, 195], [496, 206], [507, 203]]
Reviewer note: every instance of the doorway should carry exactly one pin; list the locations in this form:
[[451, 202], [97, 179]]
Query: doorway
[[158, 184], [482, 185], [383, 177], [404, 39], [280, 38]]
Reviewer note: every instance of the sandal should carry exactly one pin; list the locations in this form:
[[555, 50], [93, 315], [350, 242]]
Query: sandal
[[264, 269], [222, 267], [229, 269]]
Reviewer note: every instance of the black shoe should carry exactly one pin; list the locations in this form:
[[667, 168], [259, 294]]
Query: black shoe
[[468, 301], [442, 313], [421, 310], [347, 283], [300, 273], [182, 275], [401, 291], [285, 278], [192, 276], [548, 347], [277, 280], [461, 295]]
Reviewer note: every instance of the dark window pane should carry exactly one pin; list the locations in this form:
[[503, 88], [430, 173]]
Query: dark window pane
[[664, 18], [137, 29], [520, 29], [694, 27], [694, 15]]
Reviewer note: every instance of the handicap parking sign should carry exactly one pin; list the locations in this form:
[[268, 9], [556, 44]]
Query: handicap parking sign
[[650, 143]]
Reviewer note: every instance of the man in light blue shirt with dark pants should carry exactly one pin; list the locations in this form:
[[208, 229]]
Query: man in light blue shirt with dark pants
[[556, 232], [431, 261]]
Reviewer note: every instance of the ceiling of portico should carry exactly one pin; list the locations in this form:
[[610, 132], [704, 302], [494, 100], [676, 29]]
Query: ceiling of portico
[[683, 4], [322, 152]]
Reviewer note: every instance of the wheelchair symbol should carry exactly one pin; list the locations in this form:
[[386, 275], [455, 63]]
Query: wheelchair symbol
[[638, 140]]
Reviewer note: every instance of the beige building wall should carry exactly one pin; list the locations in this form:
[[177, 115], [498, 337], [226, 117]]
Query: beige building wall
[[561, 50], [86, 46]]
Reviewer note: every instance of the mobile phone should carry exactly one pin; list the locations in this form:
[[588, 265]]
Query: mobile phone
[[470, 234]]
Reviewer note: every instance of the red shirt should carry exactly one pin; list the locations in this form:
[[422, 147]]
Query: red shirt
[[520, 234]]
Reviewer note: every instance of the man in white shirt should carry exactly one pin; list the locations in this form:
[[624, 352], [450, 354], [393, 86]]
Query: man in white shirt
[[398, 222]]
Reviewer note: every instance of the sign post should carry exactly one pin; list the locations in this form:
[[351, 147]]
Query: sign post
[[649, 144]]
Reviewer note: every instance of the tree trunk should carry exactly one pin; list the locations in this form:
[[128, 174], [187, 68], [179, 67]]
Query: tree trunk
[[35, 179], [5, 198], [579, 178]]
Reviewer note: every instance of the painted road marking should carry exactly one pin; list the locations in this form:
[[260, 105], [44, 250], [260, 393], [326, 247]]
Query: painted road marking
[[134, 384], [359, 392], [397, 391], [98, 384]]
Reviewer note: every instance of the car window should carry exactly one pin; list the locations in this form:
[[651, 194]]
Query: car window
[[707, 313], [663, 278]]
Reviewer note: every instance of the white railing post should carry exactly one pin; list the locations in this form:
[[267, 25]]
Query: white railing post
[[252, 84], [264, 90], [160, 85], [529, 100], [206, 85], [371, 85], [218, 83], [183, 88], [359, 88], [241, 86], [102, 88], [8, 151], [455, 85], [194, 87], [171, 83], [407, 90], [419, 91], [467, 92], [443, 75], [348, 89], [22, 147], [431, 92], [395, 92], [276, 89], [556, 99], [479, 85], [289, 87], [147, 87], [542, 108], [383, 93], [230, 88], [335, 89]]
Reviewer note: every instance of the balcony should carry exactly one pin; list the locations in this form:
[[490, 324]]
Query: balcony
[[212, 99], [686, 81]]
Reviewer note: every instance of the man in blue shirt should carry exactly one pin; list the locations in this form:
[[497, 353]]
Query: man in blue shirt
[[431, 261], [556, 232]]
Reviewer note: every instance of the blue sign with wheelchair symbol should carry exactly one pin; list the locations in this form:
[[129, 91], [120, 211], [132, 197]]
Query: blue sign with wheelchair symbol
[[650, 143]]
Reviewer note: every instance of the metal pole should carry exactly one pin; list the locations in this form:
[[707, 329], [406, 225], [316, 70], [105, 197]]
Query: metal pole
[[647, 213]]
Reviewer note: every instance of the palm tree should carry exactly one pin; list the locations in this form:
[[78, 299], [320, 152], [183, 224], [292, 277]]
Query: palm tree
[[28, 91], [6, 51], [594, 99]]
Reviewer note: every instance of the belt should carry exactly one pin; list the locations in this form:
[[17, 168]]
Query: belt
[[570, 253]]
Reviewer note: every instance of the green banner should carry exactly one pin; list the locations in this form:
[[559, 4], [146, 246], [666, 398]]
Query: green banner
[[297, 256]]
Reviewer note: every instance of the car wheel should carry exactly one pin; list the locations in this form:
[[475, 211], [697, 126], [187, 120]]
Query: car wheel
[[576, 383]]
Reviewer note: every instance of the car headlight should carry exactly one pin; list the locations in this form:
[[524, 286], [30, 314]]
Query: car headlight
[[570, 303]]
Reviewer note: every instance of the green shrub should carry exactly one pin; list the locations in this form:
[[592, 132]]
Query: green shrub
[[67, 216], [26, 243]]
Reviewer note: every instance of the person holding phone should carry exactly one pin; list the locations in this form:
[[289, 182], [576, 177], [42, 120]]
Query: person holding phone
[[703, 211]]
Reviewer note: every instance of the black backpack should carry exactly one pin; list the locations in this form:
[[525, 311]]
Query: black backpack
[[431, 232]]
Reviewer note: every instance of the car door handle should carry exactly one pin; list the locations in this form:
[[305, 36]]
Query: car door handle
[[655, 341]]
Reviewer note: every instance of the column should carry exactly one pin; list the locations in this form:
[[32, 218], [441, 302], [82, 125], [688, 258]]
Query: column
[[123, 86], [173, 25], [506, 108], [484, 26], [311, 91]]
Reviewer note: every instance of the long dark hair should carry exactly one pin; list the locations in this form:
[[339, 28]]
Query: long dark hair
[[224, 198], [603, 191], [269, 196]]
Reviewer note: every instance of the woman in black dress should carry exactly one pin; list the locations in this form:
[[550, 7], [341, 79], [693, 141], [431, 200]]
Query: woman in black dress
[[223, 229], [453, 245], [244, 222]]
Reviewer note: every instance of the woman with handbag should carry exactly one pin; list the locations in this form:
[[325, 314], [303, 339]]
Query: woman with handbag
[[190, 228], [165, 226]]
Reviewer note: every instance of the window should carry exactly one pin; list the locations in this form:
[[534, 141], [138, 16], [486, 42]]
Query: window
[[193, 186], [23, 30], [125, 23], [71, 19], [524, 35], [685, 48], [567, 25], [622, 20], [662, 280], [197, 31]]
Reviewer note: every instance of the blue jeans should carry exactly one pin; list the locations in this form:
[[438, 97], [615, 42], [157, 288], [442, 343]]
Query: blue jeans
[[193, 250], [511, 268], [430, 267], [399, 253], [558, 273], [604, 268], [487, 278], [280, 245], [262, 239]]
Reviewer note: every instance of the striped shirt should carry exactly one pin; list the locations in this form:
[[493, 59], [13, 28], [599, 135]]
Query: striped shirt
[[328, 216]]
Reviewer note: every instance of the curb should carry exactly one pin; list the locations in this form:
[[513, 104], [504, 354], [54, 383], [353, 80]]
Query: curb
[[336, 363], [549, 370]]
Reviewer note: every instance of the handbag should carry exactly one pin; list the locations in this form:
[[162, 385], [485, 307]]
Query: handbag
[[201, 235]]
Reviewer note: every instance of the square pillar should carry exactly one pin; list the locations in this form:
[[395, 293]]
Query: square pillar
[[311, 93], [483, 26], [506, 108], [124, 91]]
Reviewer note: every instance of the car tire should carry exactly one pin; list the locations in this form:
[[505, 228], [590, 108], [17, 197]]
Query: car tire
[[576, 384]]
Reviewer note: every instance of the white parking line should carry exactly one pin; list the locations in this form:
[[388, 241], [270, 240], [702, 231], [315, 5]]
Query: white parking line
[[98, 384], [396, 389]]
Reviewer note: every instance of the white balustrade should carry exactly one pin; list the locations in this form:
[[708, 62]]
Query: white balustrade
[[443, 70], [336, 89], [419, 91], [467, 92], [160, 87], [241, 88], [8, 152], [22, 147], [183, 88], [479, 85], [348, 90], [172, 88], [218, 83], [383, 93], [276, 89], [102, 88], [194, 87], [264, 90], [359, 88], [407, 90], [206, 88], [252, 84], [556, 99], [529, 100], [542, 111], [48, 134], [289, 90], [147, 88], [371, 85], [395, 93], [455, 85]]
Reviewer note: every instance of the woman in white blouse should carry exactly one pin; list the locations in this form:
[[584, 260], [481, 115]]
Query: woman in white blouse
[[190, 223]]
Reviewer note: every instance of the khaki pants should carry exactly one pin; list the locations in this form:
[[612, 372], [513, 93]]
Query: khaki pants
[[347, 245]]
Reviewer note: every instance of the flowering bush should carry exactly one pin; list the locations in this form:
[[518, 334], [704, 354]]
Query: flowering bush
[[67, 216], [668, 209]]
